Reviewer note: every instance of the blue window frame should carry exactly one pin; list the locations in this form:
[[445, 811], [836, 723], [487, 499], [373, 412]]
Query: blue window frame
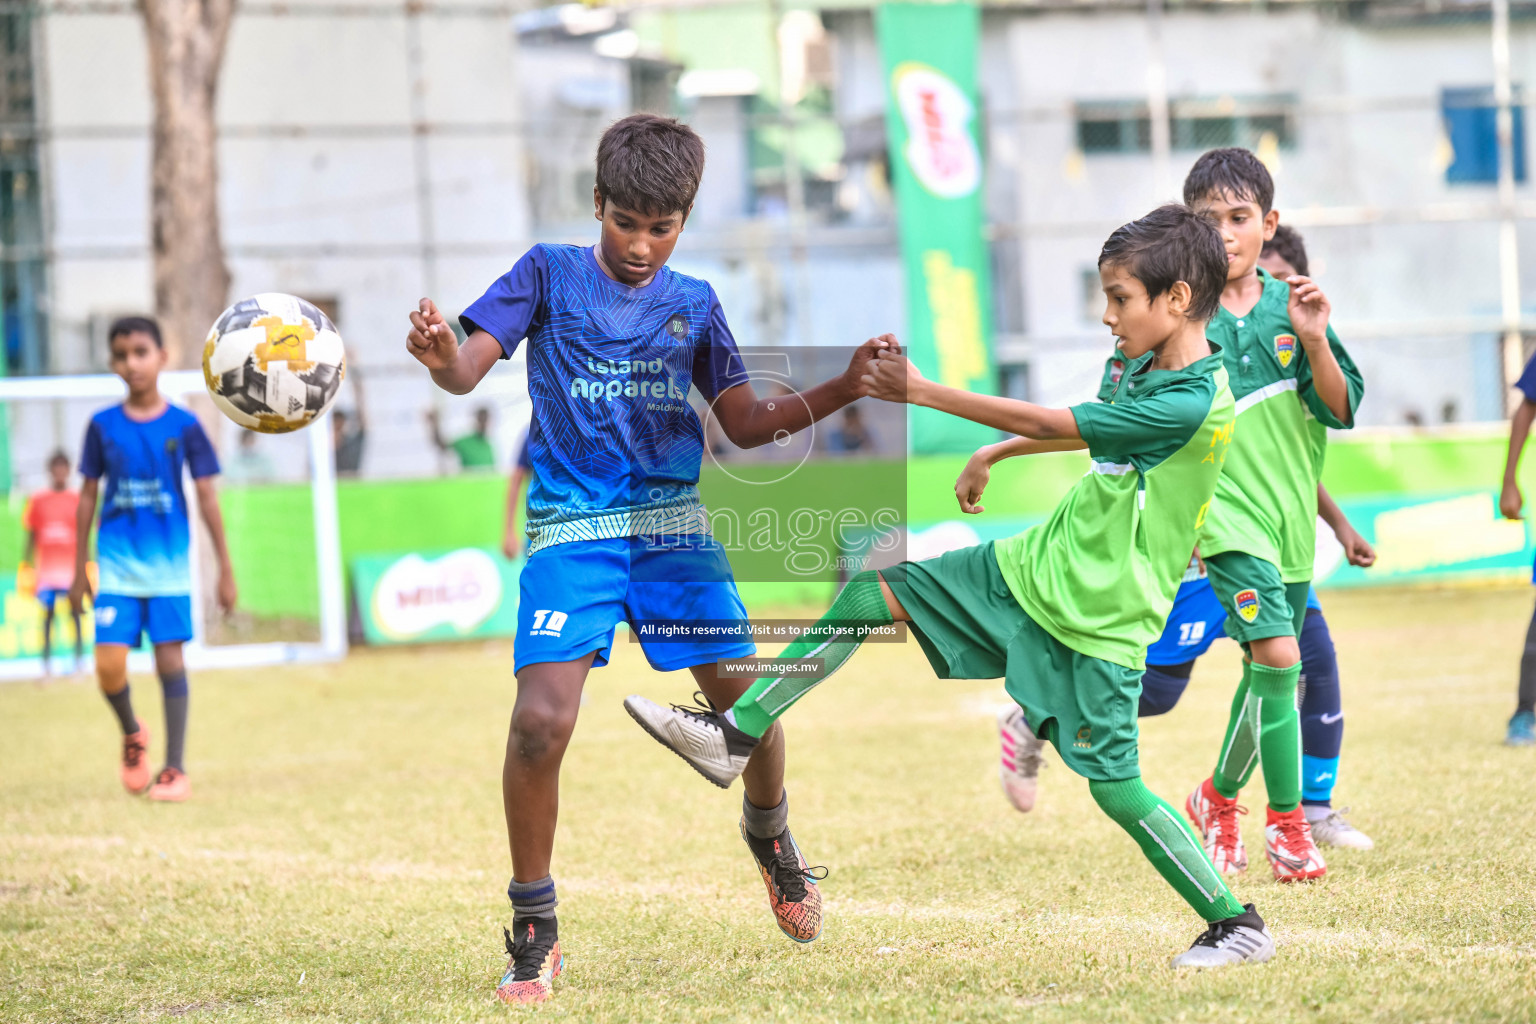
[[1471, 126]]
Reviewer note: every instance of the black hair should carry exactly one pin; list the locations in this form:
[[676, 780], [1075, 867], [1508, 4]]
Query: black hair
[[1172, 243], [1231, 171], [650, 164], [1287, 244], [59, 455], [134, 325]]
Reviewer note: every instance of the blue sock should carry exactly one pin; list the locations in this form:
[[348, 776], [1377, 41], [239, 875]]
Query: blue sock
[[1322, 715], [1318, 775]]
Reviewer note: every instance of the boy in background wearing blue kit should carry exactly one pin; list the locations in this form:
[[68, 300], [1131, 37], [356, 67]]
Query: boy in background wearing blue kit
[[133, 458]]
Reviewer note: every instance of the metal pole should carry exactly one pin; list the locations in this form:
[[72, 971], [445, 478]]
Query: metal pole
[[794, 187], [1509, 248], [1157, 105]]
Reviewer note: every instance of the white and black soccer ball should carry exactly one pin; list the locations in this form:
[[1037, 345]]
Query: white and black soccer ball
[[273, 362]]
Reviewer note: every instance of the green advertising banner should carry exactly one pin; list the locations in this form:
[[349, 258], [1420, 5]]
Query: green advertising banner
[[414, 598], [928, 52]]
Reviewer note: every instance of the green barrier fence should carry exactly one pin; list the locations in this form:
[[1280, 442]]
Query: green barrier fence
[[271, 536]]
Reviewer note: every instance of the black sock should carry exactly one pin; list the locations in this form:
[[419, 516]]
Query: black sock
[[1527, 694], [123, 707], [174, 689]]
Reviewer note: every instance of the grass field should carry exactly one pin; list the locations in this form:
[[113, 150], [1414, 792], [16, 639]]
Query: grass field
[[344, 860]]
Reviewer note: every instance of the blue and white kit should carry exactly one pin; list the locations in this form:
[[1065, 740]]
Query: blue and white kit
[[142, 543], [615, 525]]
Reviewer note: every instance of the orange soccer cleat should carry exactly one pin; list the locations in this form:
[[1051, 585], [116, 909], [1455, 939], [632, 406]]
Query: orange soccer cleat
[[171, 786], [793, 894], [135, 767]]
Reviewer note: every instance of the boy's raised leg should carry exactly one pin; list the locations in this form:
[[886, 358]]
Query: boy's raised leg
[[543, 718], [719, 745], [112, 676]]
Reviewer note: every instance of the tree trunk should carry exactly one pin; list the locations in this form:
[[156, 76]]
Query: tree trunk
[[186, 48]]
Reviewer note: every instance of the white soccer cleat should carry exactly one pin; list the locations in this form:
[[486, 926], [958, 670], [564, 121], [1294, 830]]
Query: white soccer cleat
[[1331, 828], [1021, 758], [1292, 853], [1215, 818], [717, 749], [1237, 940]]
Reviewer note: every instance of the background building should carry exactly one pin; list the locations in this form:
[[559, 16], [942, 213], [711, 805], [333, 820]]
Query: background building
[[372, 152]]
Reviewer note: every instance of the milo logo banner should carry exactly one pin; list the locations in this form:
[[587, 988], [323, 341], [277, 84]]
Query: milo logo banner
[[418, 598], [929, 55]]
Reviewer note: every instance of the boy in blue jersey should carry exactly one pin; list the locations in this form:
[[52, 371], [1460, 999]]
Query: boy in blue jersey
[[615, 526], [133, 458]]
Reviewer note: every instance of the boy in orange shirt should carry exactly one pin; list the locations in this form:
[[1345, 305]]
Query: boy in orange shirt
[[51, 535]]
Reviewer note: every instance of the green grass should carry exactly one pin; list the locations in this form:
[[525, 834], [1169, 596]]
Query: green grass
[[343, 858]]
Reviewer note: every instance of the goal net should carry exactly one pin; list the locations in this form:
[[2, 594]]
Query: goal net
[[278, 497]]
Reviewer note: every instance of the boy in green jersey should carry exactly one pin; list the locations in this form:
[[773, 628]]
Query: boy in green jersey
[[1288, 374], [1063, 611]]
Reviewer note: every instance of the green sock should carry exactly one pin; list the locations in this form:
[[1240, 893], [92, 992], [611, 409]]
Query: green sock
[[1240, 747], [860, 604], [1279, 727], [1169, 844]]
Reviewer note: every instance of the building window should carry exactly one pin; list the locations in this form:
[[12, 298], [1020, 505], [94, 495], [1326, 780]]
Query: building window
[[1013, 381], [1471, 126], [1125, 126], [23, 284], [1092, 291]]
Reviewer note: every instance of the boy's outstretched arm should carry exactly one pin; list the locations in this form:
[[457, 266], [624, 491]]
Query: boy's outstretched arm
[[1357, 549], [1510, 500], [85, 515], [455, 368], [213, 518], [750, 421], [894, 378], [978, 469]]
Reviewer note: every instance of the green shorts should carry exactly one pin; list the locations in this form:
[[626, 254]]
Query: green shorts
[[1259, 605], [971, 627]]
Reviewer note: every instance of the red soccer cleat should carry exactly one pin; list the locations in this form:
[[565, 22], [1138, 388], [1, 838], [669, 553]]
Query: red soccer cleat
[[1288, 843], [134, 770], [1215, 817], [171, 786]]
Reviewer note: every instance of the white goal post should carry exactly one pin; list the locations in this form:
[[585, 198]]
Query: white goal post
[[332, 645]]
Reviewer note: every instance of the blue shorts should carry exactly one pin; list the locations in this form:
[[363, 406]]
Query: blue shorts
[[573, 595], [50, 598], [124, 620], [1194, 624]]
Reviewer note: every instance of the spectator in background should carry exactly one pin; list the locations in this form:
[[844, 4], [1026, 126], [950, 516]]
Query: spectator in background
[[850, 437], [347, 437], [249, 464], [473, 449], [51, 538], [512, 542]]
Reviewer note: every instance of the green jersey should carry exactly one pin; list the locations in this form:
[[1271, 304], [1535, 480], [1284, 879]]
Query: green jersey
[[474, 451], [1266, 500], [1100, 574]]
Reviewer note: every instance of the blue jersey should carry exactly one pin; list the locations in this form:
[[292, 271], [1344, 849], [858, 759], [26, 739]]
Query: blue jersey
[[614, 444], [141, 544]]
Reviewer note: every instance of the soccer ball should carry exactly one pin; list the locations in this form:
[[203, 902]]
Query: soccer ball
[[273, 362]]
